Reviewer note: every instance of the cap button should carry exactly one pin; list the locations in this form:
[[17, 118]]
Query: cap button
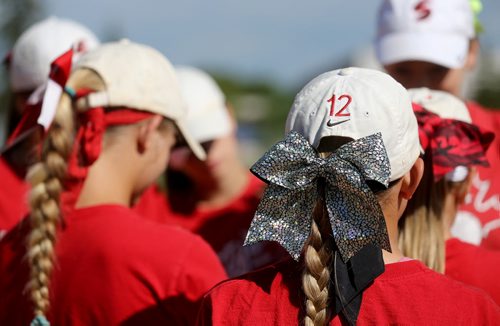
[[345, 72]]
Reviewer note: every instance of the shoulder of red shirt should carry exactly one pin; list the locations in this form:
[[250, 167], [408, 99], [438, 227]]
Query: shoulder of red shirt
[[474, 265], [182, 265], [178, 266], [406, 292], [133, 227]]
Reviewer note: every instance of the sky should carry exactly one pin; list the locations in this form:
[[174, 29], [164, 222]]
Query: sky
[[284, 41]]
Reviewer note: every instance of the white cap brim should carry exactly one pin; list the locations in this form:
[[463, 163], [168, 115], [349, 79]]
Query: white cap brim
[[195, 146], [211, 124], [447, 50]]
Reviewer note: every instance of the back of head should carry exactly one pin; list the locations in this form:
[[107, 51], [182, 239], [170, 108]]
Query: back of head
[[354, 103], [119, 83], [137, 76], [452, 146], [208, 117], [39, 45], [346, 127], [436, 31]]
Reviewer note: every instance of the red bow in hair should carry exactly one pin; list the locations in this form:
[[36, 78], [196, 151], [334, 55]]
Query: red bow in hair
[[451, 142], [92, 124]]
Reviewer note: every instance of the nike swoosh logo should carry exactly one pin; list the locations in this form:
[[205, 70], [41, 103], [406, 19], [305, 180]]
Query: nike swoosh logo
[[331, 124]]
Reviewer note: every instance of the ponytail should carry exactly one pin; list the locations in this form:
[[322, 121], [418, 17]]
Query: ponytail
[[316, 274], [47, 181], [421, 229], [46, 178]]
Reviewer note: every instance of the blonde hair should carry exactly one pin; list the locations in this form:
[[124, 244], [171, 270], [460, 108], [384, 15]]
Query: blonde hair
[[316, 273], [421, 229], [317, 257], [319, 249], [46, 178]]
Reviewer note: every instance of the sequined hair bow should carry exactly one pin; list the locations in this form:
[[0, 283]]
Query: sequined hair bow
[[292, 168]]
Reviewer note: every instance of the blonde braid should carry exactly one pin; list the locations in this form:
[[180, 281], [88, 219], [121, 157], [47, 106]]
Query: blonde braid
[[46, 178], [316, 274]]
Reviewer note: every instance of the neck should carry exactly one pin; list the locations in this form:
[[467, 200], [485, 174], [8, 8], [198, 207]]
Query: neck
[[393, 207], [105, 184], [396, 255]]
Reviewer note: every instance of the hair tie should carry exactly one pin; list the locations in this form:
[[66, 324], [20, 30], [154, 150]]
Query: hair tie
[[40, 320], [70, 91]]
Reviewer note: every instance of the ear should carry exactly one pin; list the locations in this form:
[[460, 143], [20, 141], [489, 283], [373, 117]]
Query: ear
[[473, 54], [146, 133], [412, 179]]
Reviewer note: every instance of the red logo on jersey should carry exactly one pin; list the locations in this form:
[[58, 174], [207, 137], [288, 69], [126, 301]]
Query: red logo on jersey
[[422, 10]]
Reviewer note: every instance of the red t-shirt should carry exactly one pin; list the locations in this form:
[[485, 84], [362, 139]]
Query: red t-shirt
[[407, 293], [115, 268], [152, 205], [224, 228], [473, 265], [483, 202], [13, 198]]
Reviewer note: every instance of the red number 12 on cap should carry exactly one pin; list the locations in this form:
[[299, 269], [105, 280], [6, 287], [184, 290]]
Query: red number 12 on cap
[[340, 113]]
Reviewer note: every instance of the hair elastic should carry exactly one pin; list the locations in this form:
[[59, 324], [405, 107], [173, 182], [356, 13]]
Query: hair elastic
[[70, 91], [40, 320]]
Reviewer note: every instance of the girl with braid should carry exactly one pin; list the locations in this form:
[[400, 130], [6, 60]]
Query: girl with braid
[[92, 260], [454, 147], [28, 66], [337, 186]]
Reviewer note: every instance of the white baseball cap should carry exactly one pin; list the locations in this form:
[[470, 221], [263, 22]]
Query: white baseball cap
[[436, 31], [208, 117], [139, 77], [444, 104], [39, 45], [365, 102]]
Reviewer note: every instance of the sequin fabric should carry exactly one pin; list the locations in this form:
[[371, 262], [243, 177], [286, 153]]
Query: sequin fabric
[[292, 168]]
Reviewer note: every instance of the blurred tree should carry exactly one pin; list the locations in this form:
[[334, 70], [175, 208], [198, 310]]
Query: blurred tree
[[487, 90], [260, 108], [489, 94], [260, 103], [15, 17]]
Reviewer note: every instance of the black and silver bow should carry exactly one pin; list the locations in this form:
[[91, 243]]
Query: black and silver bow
[[292, 167]]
